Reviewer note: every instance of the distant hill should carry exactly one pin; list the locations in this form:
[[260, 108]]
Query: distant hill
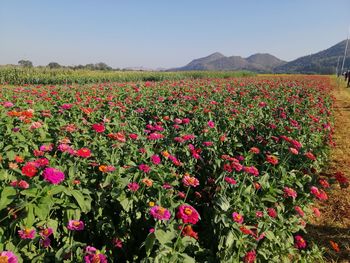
[[323, 62], [217, 61]]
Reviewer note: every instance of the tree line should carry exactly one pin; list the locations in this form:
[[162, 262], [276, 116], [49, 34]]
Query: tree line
[[55, 65]]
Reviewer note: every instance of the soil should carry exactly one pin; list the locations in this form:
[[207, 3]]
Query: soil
[[334, 222]]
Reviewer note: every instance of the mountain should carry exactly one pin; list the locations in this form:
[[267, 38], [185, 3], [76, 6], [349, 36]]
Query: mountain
[[323, 62], [217, 61]]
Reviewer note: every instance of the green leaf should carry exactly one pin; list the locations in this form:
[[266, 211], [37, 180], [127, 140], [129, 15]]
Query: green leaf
[[149, 243], [8, 194], [30, 218], [270, 235], [164, 237], [56, 190], [85, 205]]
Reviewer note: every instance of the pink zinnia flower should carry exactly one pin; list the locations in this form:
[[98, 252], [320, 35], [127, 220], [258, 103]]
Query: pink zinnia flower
[[310, 156], [53, 175], [8, 257], [42, 162], [45, 242], [27, 233], [75, 225], [250, 257], [230, 180], [8, 104], [160, 213], [35, 125], [46, 148], [133, 186], [238, 218], [320, 194], [271, 212], [144, 168], [188, 214], [293, 151], [299, 210], [94, 256], [211, 124], [272, 159], [20, 184], [118, 243], [254, 150], [133, 136], [46, 232], [289, 192], [299, 242], [155, 159], [251, 170], [188, 180], [316, 211]]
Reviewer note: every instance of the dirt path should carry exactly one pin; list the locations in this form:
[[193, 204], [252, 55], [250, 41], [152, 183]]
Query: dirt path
[[334, 223]]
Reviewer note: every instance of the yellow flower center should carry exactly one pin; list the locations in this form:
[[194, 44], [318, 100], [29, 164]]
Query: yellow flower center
[[188, 211], [161, 210], [4, 259], [96, 259], [76, 223]]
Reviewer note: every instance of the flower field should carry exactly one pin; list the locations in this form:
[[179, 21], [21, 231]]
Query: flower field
[[193, 170]]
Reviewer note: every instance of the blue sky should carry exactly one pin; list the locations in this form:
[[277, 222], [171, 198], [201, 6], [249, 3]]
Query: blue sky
[[164, 33]]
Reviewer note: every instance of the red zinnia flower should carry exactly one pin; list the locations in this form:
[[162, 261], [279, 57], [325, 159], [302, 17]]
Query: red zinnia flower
[[84, 153], [98, 127], [272, 159], [188, 231], [29, 169]]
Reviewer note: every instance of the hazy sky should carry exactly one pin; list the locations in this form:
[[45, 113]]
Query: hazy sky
[[164, 33]]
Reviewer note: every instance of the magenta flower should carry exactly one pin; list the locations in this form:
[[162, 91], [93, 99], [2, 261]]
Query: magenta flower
[[289, 192], [250, 257], [53, 175], [155, 159], [188, 180], [238, 218], [46, 242], [75, 225], [187, 214], [230, 180], [46, 232], [8, 257], [8, 104], [271, 212], [144, 168], [299, 210], [160, 213], [299, 242], [211, 124], [27, 233], [94, 256], [133, 186]]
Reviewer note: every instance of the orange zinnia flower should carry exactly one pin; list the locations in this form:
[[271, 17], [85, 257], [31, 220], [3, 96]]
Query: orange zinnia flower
[[334, 245]]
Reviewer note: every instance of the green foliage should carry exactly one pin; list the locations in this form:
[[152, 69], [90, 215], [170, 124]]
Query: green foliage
[[126, 149], [93, 74]]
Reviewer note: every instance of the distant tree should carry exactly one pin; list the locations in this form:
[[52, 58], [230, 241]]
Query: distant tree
[[102, 66], [25, 63], [53, 65]]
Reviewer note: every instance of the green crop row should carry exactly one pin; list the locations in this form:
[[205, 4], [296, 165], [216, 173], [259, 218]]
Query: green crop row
[[46, 76]]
